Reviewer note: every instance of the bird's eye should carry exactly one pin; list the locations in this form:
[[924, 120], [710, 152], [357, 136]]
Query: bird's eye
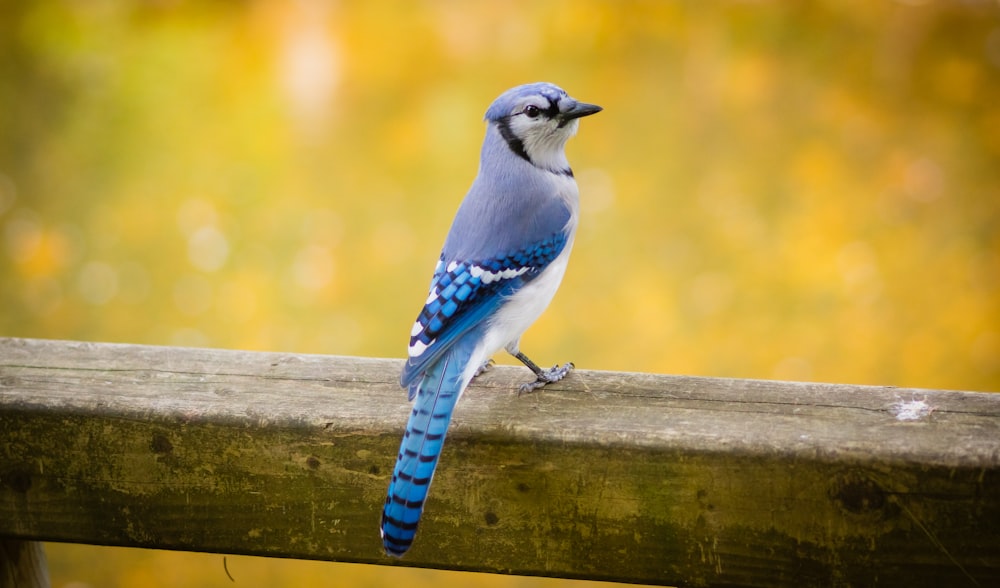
[[532, 111]]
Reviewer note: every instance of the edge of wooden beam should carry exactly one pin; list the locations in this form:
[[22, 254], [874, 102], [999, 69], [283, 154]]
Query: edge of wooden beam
[[612, 476]]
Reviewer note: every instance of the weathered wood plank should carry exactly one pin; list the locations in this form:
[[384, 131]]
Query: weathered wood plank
[[611, 476]]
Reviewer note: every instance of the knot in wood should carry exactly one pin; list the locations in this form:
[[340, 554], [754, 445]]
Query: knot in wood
[[858, 494]]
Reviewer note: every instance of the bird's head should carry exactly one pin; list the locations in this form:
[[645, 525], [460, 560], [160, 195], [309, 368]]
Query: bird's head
[[536, 120]]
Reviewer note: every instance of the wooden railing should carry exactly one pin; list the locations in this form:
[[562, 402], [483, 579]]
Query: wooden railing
[[608, 476]]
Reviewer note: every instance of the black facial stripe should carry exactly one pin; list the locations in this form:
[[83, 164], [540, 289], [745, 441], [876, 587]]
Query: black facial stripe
[[515, 144], [553, 110]]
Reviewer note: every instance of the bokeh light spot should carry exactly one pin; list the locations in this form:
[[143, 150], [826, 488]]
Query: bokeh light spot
[[310, 67], [208, 249], [313, 267], [22, 236], [97, 282]]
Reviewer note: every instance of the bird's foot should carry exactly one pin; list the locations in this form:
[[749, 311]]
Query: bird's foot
[[487, 366], [553, 374]]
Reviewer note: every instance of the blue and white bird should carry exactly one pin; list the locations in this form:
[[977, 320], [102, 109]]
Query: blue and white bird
[[501, 264]]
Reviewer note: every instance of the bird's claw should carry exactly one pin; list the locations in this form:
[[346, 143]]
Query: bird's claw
[[487, 366], [553, 374]]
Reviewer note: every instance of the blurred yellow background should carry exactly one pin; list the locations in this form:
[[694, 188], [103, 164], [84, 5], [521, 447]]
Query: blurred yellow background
[[804, 191]]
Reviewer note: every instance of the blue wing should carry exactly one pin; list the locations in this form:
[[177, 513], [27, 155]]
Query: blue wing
[[464, 293]]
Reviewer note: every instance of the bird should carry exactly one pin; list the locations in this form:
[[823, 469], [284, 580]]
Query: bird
[[502, 261]]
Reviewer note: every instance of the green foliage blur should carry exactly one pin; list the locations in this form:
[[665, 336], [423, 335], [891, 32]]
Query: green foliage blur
[[789, 190]]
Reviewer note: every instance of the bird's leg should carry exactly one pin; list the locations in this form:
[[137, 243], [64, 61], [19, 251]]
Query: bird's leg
[[487, 365], [553, 374]]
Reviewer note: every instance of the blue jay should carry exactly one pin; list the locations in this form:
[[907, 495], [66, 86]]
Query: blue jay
[[500, 266]]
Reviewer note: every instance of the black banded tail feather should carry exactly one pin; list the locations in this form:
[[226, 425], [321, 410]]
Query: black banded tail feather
[[437, 392]]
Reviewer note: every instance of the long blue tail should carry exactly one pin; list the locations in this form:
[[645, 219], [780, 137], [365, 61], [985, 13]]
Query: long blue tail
[[437, 393]]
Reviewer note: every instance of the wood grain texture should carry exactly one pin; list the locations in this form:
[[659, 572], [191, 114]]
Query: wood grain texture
[[610, 476]]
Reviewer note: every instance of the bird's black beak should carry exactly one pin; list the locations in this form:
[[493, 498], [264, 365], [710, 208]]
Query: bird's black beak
[[580, 109]]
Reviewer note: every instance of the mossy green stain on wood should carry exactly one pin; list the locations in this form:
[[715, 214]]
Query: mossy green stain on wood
[[220, 488]]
